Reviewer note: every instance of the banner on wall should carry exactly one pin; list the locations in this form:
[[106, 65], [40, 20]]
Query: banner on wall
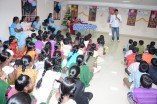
[[110, 12], [74, 11], [29, 9], [132, 17], [92, 13], [153, 20], [57, 11]]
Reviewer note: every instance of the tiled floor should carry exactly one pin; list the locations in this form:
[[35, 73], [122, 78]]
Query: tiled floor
[[107, 85]]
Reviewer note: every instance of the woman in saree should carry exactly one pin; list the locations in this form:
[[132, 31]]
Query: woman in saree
[[17, 31]]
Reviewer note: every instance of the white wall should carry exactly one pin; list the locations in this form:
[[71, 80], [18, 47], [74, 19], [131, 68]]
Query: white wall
[[11, 8], [140, 28]]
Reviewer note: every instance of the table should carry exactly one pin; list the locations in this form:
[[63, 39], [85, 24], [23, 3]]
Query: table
[[84, 27]]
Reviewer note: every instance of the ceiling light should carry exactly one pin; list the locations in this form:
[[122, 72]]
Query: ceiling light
[[125, 1]]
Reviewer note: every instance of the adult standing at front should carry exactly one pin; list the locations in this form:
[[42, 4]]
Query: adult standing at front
[[114, 23]]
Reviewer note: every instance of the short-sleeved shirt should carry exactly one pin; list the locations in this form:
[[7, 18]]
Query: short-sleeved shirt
[[30, 72], [131, 59], [36, 25], [133, 67], [39, 45], [72, 59], [33, 54], [145, 96], [147, 57], [129, 52], [153, 73], [141, 49], [12, 29], [135, 79]]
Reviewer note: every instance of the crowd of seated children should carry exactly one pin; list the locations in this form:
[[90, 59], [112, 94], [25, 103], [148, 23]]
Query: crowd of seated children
[[141, 65], [48, 67]]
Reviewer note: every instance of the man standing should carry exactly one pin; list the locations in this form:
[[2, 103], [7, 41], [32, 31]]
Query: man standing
[[114, 23]]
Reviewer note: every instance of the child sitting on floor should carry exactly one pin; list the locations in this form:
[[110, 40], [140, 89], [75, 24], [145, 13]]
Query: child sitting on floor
[[39, 44], [34, 37], [31, 51], [145, 94], [141, 47], [126, 48]]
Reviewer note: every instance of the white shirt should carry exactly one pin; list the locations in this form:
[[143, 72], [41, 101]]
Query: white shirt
[[128, 53], [10, 51], [114, 21], [53, 100], [47, 85], [133, 67]]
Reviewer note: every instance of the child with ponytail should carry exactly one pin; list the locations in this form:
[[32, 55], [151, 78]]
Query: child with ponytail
[[80, 96], [26, 68], [31, 51], [66, 92], [46, 81]]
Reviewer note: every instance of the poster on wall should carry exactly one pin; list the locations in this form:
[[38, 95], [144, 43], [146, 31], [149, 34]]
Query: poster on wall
[[29, 9], [110, 12], [132, 17], [92, 13], [57, 11], [153, 20], [74, 11]]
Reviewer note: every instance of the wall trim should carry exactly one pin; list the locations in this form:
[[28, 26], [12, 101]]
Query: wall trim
[[132, 6]]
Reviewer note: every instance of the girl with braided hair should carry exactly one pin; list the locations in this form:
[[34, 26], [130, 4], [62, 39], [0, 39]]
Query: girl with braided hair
[[26, 69], [46, 81], [80, 96], [66, 92]]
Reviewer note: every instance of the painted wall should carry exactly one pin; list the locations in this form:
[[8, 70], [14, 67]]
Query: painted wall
[[11, 8], [140, 28]]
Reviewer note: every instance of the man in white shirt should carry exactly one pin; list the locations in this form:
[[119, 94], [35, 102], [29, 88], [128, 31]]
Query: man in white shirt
[[114, 23]]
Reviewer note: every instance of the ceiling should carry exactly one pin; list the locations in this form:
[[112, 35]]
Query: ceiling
[[137, 2]]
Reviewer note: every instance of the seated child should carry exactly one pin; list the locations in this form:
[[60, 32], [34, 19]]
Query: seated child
[[130, 42], [149, 56], [31, 51], [141, 47], [34, 37], [80, 96], [134, 78], [131, 58], [22, 84], [131, 47], [134, 43], [152, 44], [39, 44], [153, 70], [145, 94]]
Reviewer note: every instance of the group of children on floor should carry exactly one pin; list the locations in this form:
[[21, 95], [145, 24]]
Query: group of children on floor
[[49, 68], [141, 67]]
